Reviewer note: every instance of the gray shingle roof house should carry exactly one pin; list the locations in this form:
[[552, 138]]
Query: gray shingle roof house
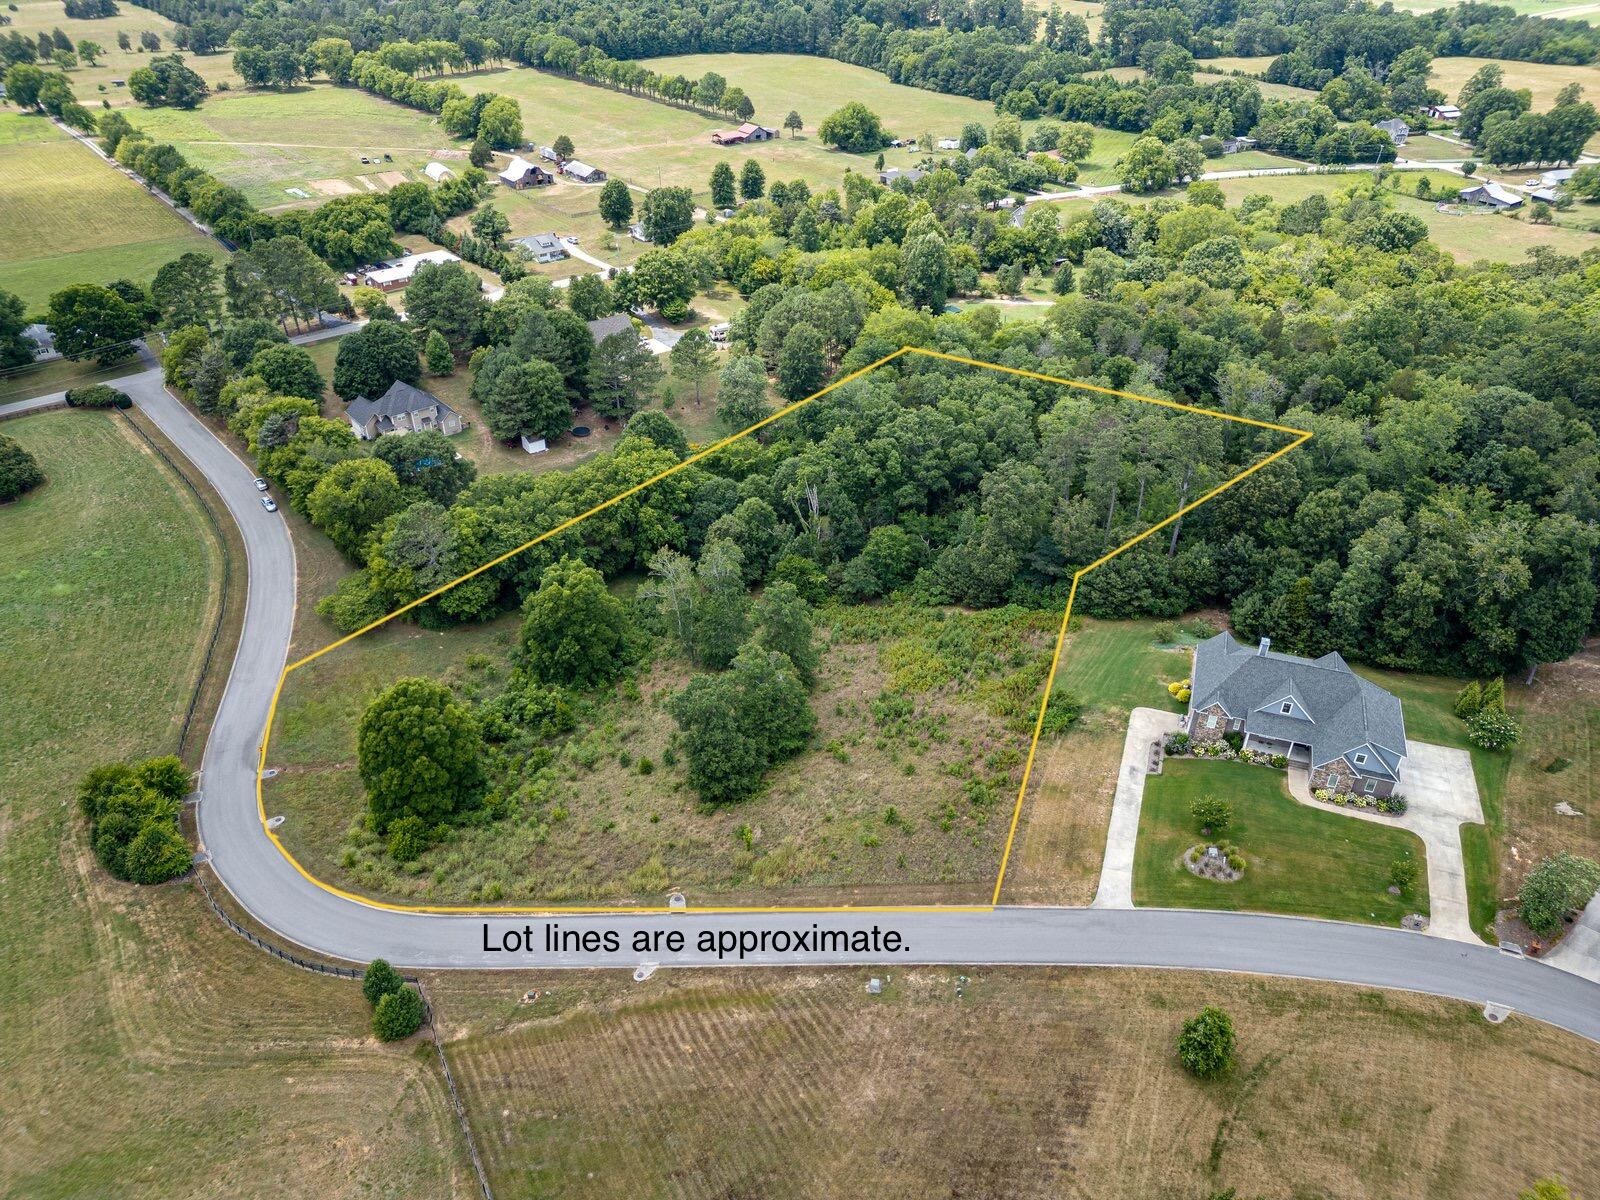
[[606, 326], [1397, 130], [909, 174], [402, 409], [545, 247], [1317, 712]]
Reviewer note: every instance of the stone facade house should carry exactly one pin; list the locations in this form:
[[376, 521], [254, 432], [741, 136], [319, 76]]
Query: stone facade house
[[402, 409], [1350, 734]]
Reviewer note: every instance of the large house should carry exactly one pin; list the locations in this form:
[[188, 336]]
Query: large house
[[397, 272], [1320, 714], [402, 409], [610, 326], [1397, 130], [545, 247], [909, 174]]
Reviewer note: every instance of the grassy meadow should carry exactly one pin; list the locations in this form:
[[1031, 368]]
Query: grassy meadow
[[311, 138], [149, 1051], [1026, 1083], [1299, 859], [72, 218]]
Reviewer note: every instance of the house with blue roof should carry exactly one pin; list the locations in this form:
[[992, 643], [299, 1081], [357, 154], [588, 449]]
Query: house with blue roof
[[1349, 733]]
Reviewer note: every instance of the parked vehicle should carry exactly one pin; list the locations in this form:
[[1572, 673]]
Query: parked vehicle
[[261, 485], [268, 503]]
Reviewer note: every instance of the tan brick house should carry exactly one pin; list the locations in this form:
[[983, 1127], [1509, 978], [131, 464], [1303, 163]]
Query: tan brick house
[[1349, 733]]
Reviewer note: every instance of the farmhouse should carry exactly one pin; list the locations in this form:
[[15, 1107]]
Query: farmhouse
[[1491, 194], [909, 174], [44, 342], [1319, 713], [1235, 145], [949, 143], [748, 132], [1443, 112], [611, 326], [582, 172], [402, 409], [1397, 130], [437, 172], [521, 173], [545, 247], [397, 272]]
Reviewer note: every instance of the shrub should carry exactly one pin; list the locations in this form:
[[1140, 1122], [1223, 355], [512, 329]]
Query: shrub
[[1206, 1045], [398, 1015], [1494, 696], [1554, 888], [408, 839], [1212, 813], [1403, 873], [1491, 730], [1234, 739], [19, 470], [133, 819], [1469, 700], [97, 395], [1177, 686], [1178, 743], [1062, 714], [379, 980], [1281, 761]]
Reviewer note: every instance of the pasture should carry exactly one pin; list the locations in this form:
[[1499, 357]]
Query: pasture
[[72, 218], [1544, 80], [1019, 1083], [149, 1050], [312, 138], [93, 84]]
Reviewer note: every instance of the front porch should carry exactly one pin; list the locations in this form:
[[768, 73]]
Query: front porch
[[1298, 753]]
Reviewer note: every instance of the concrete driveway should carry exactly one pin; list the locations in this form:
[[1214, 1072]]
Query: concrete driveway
[[1579, 951], [1442, 795], [1145, 725]]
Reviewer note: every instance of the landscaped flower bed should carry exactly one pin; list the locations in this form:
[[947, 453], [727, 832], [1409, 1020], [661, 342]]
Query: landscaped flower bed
[[1393, 806]]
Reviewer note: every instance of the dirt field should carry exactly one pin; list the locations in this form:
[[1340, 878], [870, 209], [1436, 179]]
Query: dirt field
[[1051, 1083]]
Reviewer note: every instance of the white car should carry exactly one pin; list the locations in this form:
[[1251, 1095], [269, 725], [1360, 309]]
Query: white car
[[570, 240], [268, 503], [1530, 183], [261, 485]]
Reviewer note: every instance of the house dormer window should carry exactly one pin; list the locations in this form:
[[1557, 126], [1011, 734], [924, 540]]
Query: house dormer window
[[1360, 760], [1287, 707]]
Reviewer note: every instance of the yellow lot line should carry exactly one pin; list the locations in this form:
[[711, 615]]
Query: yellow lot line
[[1301, 436]]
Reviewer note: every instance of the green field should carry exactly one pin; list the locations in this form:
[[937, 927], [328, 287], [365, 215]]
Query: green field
[[97, 83], [149, 1051], [312, 138], [1300, 860], [72, 218]]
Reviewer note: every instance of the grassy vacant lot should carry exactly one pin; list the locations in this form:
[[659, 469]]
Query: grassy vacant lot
[[148, 1050], [71, 218], [1041, 1083], [886, 805], [94, 84], [1110, 667], [1299, 859], [1544, 80], [311, 138]]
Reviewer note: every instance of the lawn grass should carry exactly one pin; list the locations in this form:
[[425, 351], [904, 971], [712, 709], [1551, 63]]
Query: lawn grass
[[149, 1051], [71, 218], [1032, 1083], [311, 138], [1300, 860], [58, 374]]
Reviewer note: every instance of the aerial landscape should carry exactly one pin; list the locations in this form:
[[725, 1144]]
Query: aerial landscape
[[730, 600]]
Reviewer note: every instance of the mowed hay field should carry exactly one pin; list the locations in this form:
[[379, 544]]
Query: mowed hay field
[[651, 145], [312, 138], [72, 218], [149, 1051], [94, 84], [1041, 1083]]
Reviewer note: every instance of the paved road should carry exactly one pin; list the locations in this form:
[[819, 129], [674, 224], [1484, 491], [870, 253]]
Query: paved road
[[269, 887]]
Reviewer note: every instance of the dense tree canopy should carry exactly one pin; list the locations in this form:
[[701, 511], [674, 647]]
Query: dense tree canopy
[[420, 754]]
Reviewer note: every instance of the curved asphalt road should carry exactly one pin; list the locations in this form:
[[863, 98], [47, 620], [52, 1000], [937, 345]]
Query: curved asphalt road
[[266, 885]]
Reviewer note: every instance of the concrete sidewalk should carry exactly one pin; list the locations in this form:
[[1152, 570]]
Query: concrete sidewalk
[[1145, 725]]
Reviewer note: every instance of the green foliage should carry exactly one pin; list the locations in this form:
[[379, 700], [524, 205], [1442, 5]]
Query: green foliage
[[1206, 1045], [408, 839], [436, 354], [379, 980], [1491, 730], [1555, 888], [668, 213], [19, 470], [574, 631], [1403, 874], [855, 129], [1546, 1189], [616, 203], [1061, 715], [288, 371], [372, 358], [420, 754], [132, 813], [1211, 813], [1469, 701], [398, 1015], [353, 498]]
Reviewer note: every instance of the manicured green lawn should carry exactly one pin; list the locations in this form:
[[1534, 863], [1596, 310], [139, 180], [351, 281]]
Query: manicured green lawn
[[1299, 860], [1120, 665]]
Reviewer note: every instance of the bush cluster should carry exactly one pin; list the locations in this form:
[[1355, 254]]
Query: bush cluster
[[132, 812], [397, 1010]]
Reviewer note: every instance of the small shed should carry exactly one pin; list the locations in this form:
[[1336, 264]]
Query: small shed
[[533, 445]]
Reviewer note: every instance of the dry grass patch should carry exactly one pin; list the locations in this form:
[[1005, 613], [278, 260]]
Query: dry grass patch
[[1041, 1083]]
